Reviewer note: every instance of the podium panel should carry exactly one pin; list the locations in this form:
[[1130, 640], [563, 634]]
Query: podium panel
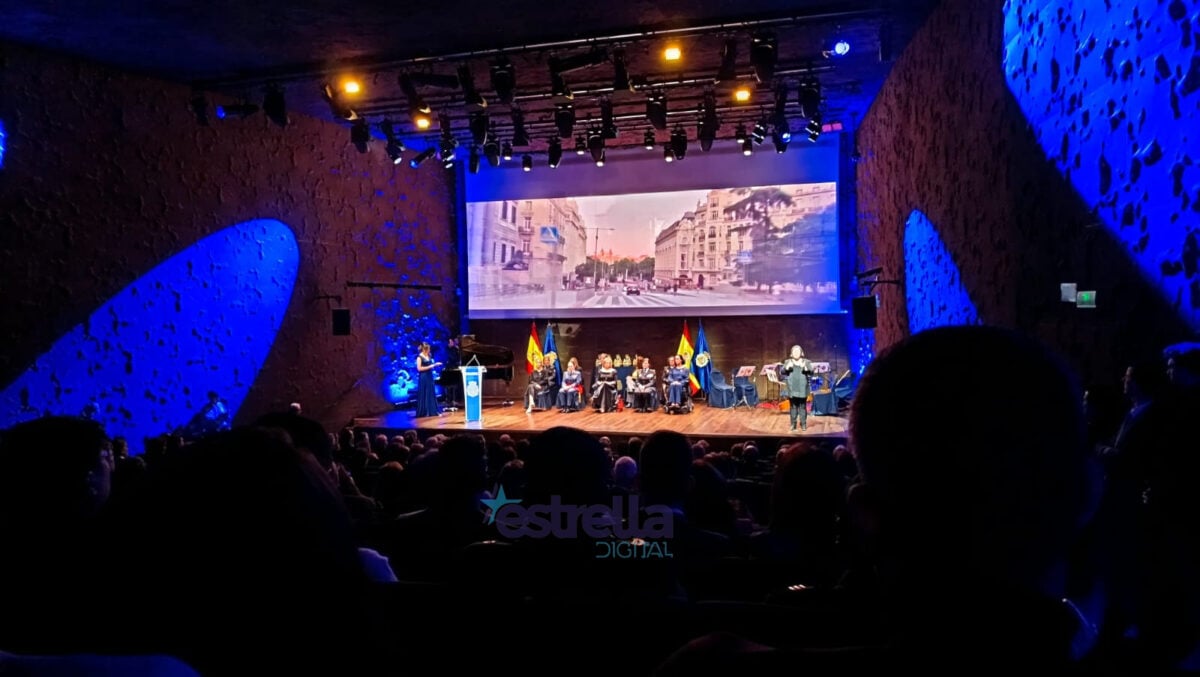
[[473, 392]]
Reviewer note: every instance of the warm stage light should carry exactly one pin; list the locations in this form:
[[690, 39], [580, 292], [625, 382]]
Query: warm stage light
[[672, 53], [741, 94], [422, 121], [351, 87]]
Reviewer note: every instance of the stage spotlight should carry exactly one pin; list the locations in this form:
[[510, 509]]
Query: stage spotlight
[[710, 124], [504, 80], [740, 134], [648, 139], [199, 107], [471, 96], [814, 129], [478, 124], [668, 154], [759, 133], [780, 138], [351, 86], [564, 119], [559, 87], [447, 143], [520, 136], [581, 145], [763, 56], [274, 106], [656, 109], [527, 163], [423, 156], [741, 94], [621, 81], [607, 127], [595, 146], [672, 53], [394, 145], [839, 48], [747, 147], [555, 152], [679, 143], [491, 149], [336, 106], [237, 110], [417, 106], [779, 114], [473, 160], [360, 135], [728, 70], [810, 99], [506, 151]]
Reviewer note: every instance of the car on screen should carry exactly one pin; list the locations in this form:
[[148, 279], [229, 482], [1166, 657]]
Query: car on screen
[[633, 290], [516, 264]]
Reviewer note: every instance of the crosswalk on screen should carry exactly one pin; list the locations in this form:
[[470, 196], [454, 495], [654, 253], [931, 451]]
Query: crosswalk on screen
[[724, 251]]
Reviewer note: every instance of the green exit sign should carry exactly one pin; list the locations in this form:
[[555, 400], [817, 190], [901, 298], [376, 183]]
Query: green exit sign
[[1085, 299]]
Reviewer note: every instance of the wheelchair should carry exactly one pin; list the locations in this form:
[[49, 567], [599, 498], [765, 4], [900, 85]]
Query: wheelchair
[[684, 407]]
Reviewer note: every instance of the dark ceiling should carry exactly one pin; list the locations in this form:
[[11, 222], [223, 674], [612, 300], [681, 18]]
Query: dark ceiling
[[235, 48]]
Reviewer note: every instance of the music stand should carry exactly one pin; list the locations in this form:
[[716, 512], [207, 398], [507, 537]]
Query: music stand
[[771, 371], [742, 372]]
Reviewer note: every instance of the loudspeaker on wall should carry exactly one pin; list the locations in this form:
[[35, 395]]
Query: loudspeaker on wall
[[341, 321], [863, 309]]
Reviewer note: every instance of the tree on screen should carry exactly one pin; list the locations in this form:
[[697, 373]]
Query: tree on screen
[[768, 264]]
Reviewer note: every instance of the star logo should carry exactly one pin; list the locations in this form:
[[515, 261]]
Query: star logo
[[494, 504]]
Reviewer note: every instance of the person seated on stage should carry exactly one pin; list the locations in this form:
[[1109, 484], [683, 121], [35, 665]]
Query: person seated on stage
[[550, 378], [604, 393], [571, 392], [643, 386], [677, 378], [537, 383]]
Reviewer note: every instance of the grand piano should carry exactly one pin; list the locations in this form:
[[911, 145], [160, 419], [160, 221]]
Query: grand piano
[[497, 359]]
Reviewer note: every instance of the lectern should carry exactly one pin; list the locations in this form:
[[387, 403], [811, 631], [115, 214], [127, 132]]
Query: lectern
[[473, 392]]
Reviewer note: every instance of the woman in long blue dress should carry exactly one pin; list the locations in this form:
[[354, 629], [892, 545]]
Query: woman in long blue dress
[[427, 404]]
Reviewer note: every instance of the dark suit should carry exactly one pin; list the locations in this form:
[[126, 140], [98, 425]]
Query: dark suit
[[796, 373]]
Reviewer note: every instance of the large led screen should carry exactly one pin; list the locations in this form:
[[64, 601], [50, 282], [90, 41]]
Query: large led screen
[[770, 249]]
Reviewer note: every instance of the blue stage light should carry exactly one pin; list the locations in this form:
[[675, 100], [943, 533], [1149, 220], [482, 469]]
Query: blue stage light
[[1, 144], [841, 48], [934, 291], [143, 362], [1111, 96]]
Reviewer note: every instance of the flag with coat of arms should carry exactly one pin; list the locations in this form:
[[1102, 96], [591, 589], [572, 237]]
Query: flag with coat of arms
[[686, 351]]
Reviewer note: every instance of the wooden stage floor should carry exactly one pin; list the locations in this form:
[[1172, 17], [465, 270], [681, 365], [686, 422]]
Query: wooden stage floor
[[702, 422]]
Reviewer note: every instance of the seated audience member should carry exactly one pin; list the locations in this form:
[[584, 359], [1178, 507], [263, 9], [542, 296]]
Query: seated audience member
[[806, 500], [420, 544], [973, 519], [55, 476], [235, 556]]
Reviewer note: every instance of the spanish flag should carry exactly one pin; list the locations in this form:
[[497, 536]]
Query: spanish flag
[[685, 349], [534, 351]]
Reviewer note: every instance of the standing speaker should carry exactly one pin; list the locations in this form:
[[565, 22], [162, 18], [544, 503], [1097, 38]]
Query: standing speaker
[[863, 308], [341, 321]]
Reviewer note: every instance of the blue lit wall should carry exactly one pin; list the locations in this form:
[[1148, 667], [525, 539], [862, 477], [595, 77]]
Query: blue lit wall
[[933, 289], [2, 144], [1113, 92], [202, 320], [406, 322]]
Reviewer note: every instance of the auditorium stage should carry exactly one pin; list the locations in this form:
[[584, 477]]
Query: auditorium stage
[[702, 423]]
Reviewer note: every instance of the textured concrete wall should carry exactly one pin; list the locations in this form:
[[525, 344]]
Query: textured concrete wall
[[945, 136], [106, 175]]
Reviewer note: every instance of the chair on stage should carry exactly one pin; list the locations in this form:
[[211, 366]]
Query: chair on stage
[[547, 398], [843, 389], [720, 394], [745, 391]]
